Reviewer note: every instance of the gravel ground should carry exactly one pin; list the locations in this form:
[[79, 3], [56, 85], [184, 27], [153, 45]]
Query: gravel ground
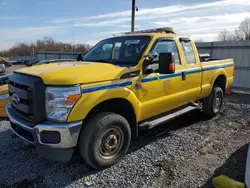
[[185, 152]]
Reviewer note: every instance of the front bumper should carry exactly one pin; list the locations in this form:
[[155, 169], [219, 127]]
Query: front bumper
[[60, 149]]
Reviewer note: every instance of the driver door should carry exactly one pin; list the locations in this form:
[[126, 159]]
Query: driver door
[[161, 93]]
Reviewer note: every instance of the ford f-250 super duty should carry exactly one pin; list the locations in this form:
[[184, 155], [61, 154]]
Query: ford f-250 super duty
[[127, 83]]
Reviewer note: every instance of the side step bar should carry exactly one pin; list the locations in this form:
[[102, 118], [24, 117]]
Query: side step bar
[[153, 122]]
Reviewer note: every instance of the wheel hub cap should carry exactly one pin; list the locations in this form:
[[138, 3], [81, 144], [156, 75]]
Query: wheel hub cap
[[110, 142], [217, 103]]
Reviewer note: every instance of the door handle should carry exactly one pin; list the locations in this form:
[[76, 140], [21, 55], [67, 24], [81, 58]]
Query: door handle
[[183, 74]]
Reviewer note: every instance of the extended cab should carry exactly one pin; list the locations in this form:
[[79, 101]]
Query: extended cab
[[124, 84]]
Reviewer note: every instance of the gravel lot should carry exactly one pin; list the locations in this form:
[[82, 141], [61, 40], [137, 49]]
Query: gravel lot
[[185, 152]]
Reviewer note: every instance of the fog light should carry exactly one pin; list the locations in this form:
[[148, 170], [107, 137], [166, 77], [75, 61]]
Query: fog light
[[50, 137]]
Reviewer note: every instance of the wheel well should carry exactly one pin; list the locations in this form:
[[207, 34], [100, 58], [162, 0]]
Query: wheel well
[[119, 106], [220, 82]]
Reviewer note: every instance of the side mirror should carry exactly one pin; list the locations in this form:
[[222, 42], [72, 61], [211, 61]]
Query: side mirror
[[79, 57], [166, 63], [4, 79]]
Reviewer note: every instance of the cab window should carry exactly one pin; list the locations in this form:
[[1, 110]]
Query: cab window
[[167, 46], [189, 52], [164, 46]]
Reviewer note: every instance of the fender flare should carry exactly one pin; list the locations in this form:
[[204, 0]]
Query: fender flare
[[88, 101], [217, 73]]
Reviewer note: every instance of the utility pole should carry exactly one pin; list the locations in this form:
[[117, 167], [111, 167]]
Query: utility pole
[[133, 16], [73, 36]]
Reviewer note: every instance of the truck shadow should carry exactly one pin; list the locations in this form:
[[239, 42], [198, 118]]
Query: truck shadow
[[26, 159], [164, 130], [234, 167]]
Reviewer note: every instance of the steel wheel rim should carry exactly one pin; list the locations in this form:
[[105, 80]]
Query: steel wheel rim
[[111, 142], [217, 103]]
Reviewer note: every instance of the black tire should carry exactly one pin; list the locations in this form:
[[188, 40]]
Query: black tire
[[212, 104], [95, 140]]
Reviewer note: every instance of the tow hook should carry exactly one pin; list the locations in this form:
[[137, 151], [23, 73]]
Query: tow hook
[[13, 136]]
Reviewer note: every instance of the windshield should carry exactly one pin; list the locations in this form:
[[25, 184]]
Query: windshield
[[122, 51]]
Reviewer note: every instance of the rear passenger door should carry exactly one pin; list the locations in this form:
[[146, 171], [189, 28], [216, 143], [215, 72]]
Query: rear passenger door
[[193, 70]]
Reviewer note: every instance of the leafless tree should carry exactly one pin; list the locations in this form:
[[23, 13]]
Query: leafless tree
[[241, 33], [225, 35], [244, 29], [45, 44], [82, 47]]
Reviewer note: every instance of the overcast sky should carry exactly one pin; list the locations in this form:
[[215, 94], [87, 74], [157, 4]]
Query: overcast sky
[[28, 20]]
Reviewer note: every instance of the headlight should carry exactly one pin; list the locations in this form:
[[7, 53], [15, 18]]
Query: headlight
[[4, 96], [60, 100]]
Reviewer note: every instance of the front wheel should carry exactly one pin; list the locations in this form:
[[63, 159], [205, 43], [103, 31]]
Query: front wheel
[[212, 104], [104, 140]]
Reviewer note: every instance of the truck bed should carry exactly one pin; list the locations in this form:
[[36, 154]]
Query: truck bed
[[216, 64]]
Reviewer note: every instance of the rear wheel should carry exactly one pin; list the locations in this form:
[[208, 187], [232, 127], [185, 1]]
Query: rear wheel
[[104, 140], [212, 104]]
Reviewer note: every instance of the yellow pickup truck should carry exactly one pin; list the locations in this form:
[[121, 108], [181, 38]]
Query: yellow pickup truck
[[124, 84]]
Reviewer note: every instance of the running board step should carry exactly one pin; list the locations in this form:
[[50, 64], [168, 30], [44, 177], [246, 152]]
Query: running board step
[[146, 125]]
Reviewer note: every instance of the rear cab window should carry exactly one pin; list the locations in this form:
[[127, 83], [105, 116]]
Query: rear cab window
[[188, 51]]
